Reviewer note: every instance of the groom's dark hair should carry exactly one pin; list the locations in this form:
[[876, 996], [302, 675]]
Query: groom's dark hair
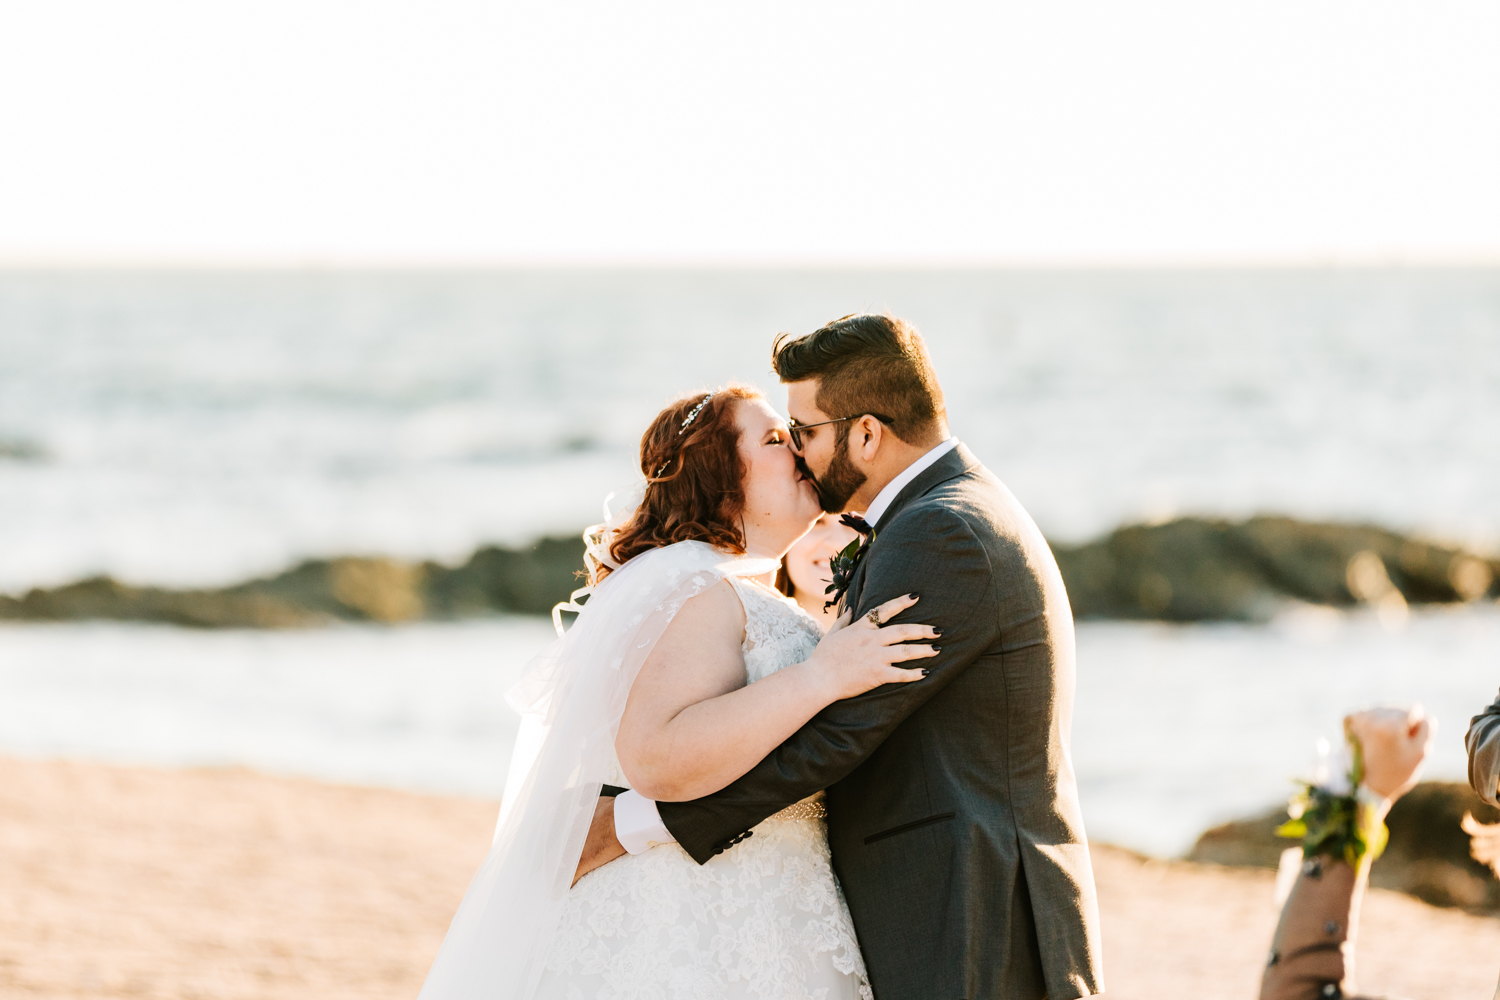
[[866, 364]]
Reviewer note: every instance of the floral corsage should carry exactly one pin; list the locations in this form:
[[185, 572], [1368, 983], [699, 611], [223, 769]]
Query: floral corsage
[[1334, 815], [844, 563]]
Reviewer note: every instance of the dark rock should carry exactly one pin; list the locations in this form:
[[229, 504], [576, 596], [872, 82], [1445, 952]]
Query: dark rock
[[1244, 843], [1198, 569], [1187, 570], [1427, 855], [530, 581], [102, 597], [1191, 569], [21, 451], [349, 588], [320, 591]]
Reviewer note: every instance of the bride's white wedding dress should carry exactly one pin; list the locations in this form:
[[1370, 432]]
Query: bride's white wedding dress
[[765, 919]]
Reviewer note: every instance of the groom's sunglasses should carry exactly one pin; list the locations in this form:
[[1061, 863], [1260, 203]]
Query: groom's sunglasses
[[796, 429]]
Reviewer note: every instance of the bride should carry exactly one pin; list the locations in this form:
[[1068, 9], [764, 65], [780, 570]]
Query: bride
[[683, 669]]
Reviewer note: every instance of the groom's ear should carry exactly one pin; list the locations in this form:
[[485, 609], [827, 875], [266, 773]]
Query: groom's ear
[[865, 438]]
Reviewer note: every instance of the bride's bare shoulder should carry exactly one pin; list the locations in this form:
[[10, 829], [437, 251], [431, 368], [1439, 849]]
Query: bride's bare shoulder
[[717, 611]]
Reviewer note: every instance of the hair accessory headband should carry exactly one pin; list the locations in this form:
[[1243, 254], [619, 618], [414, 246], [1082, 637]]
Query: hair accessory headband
[[686, 423], [694, 414]]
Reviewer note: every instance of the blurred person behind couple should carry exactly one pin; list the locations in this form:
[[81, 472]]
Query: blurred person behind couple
[[805, 575]]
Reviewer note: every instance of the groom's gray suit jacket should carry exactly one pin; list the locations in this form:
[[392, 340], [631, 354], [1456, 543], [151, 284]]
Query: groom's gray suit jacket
[[952, 809]]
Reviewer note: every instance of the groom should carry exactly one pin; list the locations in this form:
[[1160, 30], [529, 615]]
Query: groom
[[953, 813]]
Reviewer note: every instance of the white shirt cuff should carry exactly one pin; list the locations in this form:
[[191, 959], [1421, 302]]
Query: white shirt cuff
[[638, 825]]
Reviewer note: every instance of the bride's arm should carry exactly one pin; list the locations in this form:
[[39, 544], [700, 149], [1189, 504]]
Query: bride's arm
[[692, 725]]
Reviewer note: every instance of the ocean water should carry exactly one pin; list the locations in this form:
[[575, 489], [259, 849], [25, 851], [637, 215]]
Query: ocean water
[[199, 428], [1176, 728]]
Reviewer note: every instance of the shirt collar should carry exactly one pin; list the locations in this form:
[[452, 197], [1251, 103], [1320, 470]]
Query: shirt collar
[[883, 499]]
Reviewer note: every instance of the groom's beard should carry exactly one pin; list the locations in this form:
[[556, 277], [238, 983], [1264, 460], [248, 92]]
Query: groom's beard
[[838, 484]]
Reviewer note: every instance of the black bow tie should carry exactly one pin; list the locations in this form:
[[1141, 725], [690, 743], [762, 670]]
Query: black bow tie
[[858, 523]]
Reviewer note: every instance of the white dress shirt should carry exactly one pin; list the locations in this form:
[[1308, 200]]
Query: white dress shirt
[[883, 499], [638, 825]]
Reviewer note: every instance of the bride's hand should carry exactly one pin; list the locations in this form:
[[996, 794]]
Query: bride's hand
[[857, 656]]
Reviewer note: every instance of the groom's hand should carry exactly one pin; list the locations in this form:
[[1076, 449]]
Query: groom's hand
[[602, 846]]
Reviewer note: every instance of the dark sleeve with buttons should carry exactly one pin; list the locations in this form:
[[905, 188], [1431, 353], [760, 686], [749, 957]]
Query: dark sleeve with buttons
[[1311, 952]]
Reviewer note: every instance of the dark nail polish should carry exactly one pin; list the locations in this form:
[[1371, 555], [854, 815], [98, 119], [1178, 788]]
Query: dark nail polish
[[937, 631], [912, 596], [924, 673]]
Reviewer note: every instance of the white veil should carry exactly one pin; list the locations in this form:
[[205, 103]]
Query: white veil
[[570, 699]]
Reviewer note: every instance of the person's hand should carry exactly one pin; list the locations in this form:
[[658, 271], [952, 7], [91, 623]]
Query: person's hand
[[601, 846], [856, 656], [1394, 741], [1484, 841]]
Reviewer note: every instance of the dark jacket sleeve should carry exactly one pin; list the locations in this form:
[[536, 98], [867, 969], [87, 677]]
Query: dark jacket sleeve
[[1483, 741], [1310, 954], [928, 551]]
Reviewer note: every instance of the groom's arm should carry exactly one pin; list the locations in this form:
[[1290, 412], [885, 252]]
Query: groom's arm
[[931, 553]]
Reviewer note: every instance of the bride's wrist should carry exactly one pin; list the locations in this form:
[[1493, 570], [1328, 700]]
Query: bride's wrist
[[1378, 805], [820, 681]]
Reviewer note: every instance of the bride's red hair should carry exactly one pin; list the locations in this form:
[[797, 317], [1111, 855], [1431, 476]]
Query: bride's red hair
[[695, 481]]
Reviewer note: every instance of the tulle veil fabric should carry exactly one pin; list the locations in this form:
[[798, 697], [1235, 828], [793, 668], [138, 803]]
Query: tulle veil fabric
[[571, 697]]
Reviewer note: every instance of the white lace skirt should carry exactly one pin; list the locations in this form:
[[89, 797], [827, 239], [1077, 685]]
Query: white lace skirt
[[763, 920]]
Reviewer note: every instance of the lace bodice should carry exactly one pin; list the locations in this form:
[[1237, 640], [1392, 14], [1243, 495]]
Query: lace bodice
[[764, 920], [778, 633]]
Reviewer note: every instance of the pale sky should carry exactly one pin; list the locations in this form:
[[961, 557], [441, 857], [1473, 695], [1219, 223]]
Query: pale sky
[[435, 132]]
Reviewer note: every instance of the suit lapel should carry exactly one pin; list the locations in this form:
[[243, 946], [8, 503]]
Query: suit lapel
[[856, 587], [957, 462]]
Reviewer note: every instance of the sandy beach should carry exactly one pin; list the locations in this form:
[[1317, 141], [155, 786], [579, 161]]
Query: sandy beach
[[143, 883]]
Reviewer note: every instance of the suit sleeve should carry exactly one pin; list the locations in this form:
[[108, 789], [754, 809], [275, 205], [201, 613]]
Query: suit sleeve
[[1483, 742], [932, 553]]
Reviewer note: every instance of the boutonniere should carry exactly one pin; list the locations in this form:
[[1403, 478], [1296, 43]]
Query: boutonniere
[[845, 562]]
